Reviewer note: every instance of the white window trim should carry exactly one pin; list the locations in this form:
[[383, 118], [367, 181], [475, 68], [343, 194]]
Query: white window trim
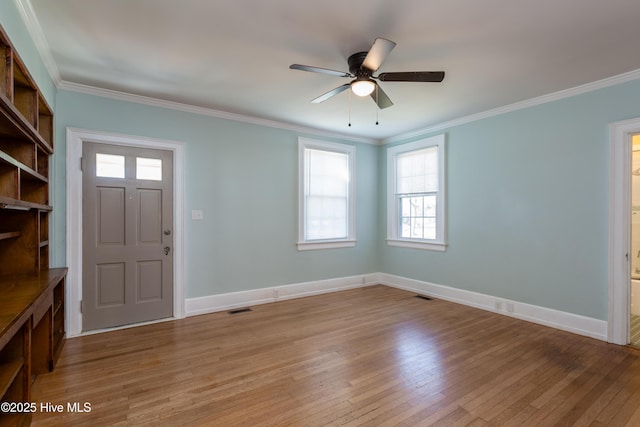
[[350, 240], [393, 239]]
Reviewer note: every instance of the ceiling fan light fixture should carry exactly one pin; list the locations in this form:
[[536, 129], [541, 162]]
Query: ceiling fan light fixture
[[363, 87]]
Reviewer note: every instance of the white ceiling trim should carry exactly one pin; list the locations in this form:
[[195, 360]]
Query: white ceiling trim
[[35, 31], [555, 96], [154, 102]]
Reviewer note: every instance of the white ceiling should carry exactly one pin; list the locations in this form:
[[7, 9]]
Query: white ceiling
[[234, 55]]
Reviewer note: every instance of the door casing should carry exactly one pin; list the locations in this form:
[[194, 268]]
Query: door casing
[[620, 229], [73, 291]]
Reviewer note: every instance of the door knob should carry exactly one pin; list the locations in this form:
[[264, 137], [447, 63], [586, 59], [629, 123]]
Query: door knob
[[166, 250], [167, 232]]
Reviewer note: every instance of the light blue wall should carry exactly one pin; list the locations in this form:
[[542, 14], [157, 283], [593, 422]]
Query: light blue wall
[[244, 178], [527, 197], [527, 205]]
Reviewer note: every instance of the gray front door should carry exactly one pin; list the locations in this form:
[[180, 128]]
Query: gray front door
[[127, 211]]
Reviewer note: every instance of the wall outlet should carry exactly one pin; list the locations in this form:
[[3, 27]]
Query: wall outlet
[[498, 305], [510, 307], [275, 294]]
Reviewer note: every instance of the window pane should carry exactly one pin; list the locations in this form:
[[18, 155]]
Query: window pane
[[417, 171], [429, 228], [328, 173], [327, 195], [418, 217], [109, 166], [326, 218], [148, 169]]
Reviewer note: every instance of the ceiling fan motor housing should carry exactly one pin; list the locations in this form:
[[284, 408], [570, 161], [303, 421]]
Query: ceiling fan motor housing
[[355, 65]]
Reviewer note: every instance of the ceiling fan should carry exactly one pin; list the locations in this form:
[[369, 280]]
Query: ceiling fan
[[362, 65]]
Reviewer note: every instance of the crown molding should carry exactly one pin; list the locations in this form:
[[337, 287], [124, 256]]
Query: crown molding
[[155, 102], [35, 31], [555, 96]]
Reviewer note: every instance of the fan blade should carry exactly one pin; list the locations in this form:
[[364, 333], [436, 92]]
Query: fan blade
[[381, 98], [377, 54], [331, 93], [319, 70], [412, 76]]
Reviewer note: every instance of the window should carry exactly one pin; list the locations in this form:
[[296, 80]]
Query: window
[[416, 194], [109, 166], [113, 166], [326, 195], [150, 169]]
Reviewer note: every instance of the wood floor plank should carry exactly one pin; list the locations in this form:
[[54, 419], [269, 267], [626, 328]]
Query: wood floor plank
[[372, 356]]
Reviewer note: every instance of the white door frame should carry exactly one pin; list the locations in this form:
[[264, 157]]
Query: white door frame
[[620, 229], [73, 293]]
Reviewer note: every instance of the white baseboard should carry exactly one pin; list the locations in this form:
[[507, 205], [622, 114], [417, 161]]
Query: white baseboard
[[562, 320], [565, 321], [570, 322], [229, 301]]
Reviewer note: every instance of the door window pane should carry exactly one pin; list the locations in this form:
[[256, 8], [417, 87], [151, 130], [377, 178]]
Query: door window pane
[[150, 169], [109, 166]]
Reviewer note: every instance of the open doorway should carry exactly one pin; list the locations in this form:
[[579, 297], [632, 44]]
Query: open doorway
[[620, 212], [634, 325]]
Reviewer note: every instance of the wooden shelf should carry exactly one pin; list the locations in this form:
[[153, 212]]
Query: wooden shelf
[[20, 291], [31, 175], [57, 307], [14, 125], [8, 179], [25, 93], [15, 204], [6, 55], [9, 235], [32, 324], [8, 373], [45, 121]]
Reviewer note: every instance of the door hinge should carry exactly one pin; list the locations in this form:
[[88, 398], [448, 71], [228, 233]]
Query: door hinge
[[82, 164], [81, 306]]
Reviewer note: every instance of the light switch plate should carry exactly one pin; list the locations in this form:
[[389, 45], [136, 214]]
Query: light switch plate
[[197, 215]]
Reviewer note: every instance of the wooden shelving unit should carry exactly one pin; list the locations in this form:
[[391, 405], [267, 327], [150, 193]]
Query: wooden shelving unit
[[58, 322], [32, 326]]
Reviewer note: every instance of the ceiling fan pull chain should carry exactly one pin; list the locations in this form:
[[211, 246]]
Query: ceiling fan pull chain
[[377, 109], [349, 108]]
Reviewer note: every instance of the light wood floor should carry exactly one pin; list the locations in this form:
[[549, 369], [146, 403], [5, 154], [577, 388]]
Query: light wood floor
[[372, 356]]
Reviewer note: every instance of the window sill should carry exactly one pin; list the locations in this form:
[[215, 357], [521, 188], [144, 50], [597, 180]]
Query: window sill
[[413, 244], [332, 244]]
